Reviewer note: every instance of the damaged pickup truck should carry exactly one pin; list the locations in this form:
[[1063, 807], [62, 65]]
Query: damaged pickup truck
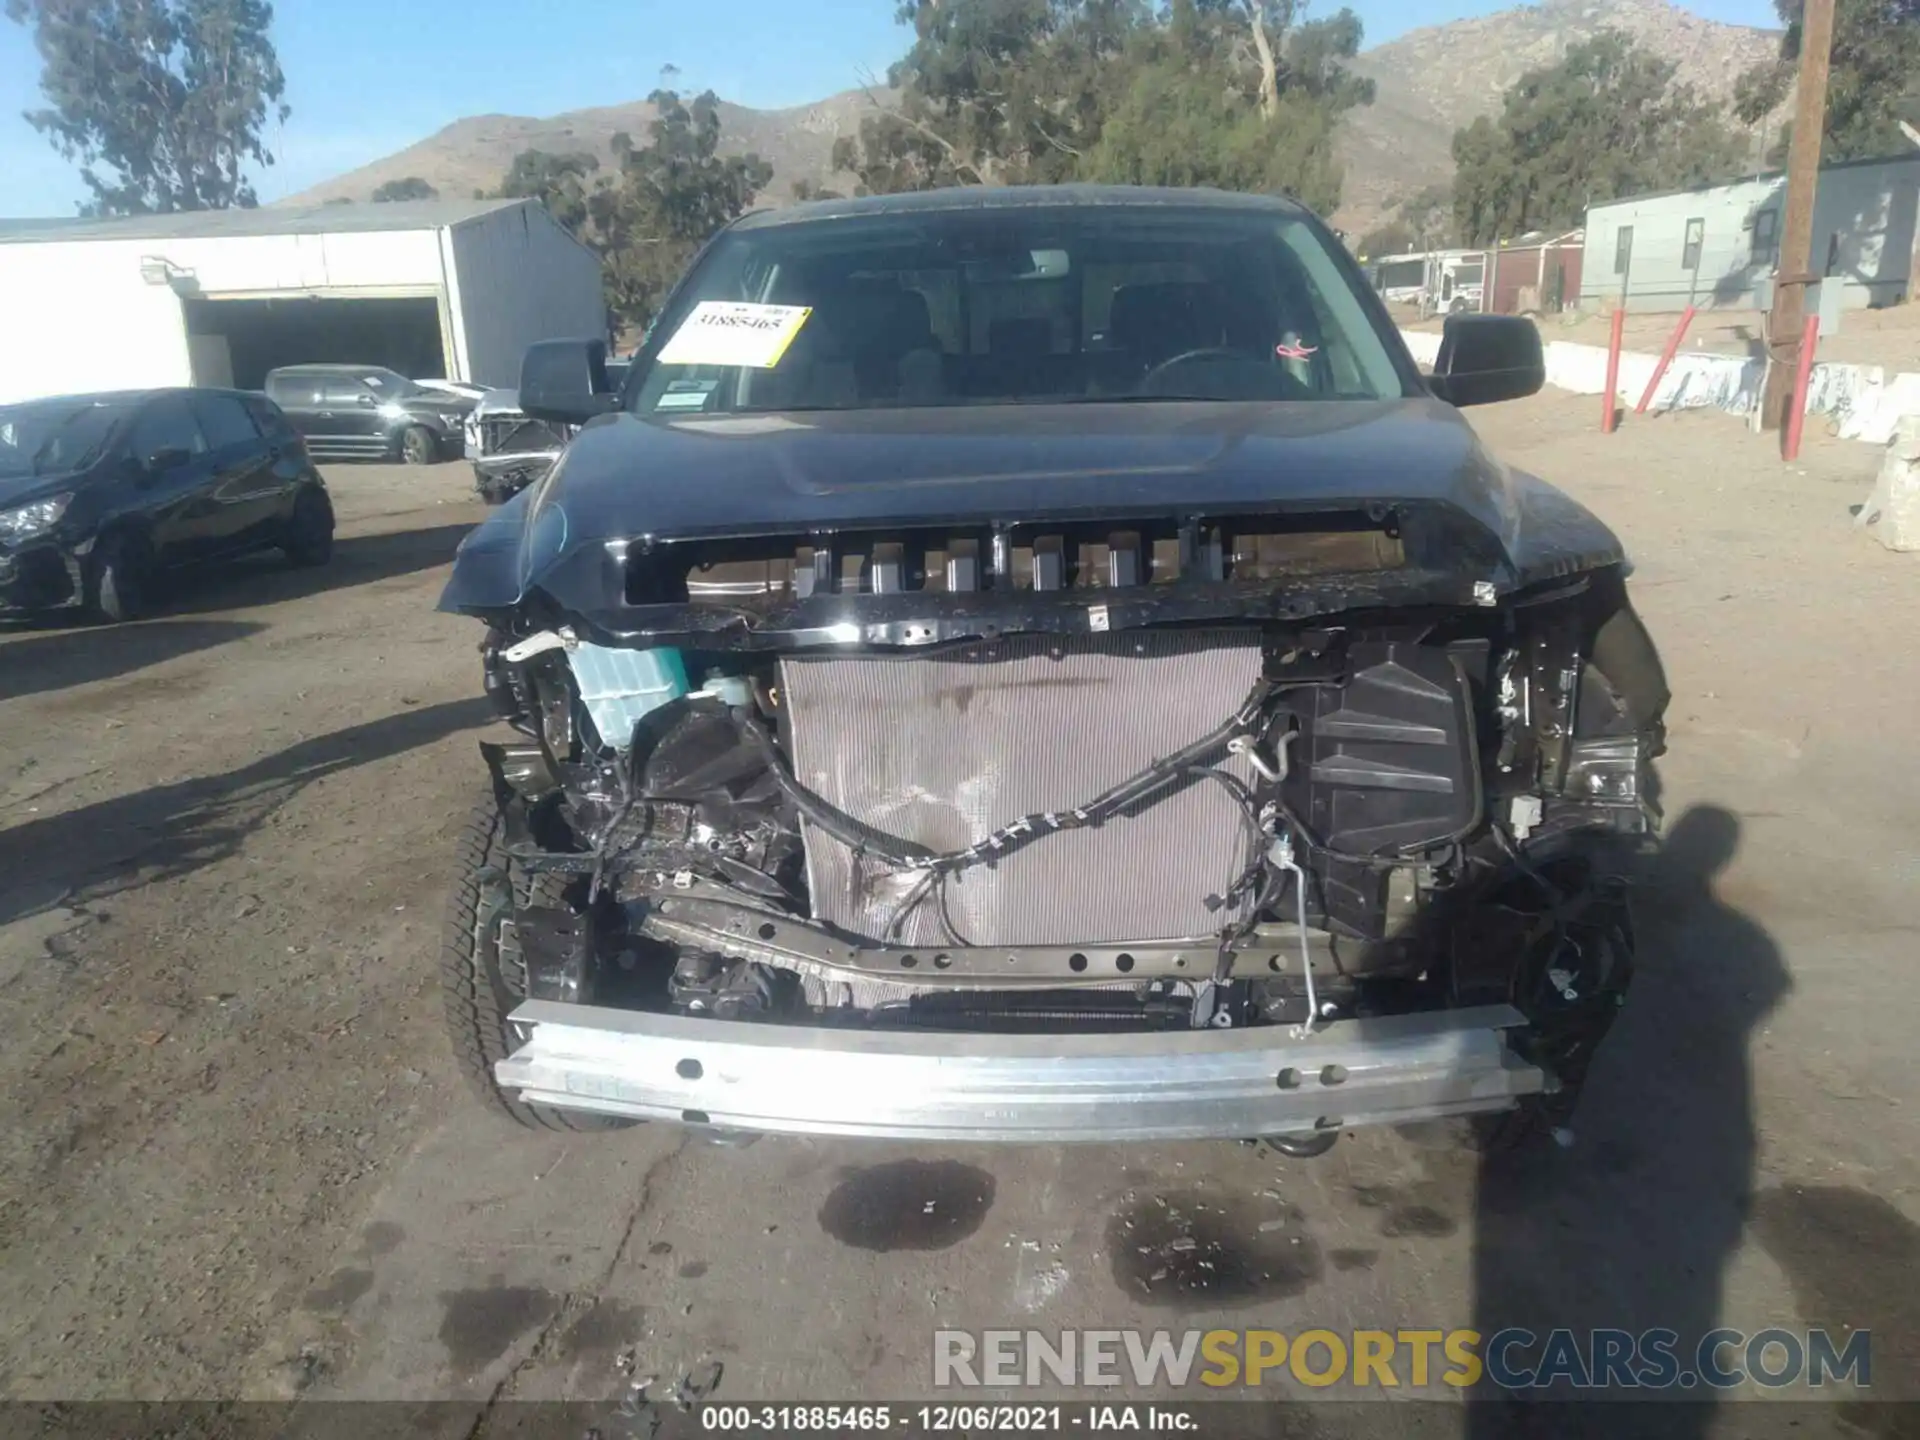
[[1043, 665]]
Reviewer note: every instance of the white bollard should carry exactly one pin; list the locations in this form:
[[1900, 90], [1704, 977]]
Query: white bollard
[[1892, 511]]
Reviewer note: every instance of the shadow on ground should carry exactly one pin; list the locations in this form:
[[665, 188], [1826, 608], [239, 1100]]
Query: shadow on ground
[[1633, 1227], [265, 579], [171, 830], [58, 660]]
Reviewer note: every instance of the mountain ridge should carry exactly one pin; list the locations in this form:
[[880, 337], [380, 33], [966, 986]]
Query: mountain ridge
[[1428, 83]]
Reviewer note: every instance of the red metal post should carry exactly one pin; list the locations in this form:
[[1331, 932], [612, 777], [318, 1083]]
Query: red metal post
[[1802, 376], [1609, 417], [1666, 359]]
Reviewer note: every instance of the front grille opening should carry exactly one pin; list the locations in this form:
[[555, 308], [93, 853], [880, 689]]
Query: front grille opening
[[1033, 558]]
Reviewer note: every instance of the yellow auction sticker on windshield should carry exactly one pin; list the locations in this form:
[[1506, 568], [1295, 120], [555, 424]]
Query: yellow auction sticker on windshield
[[735, 332]]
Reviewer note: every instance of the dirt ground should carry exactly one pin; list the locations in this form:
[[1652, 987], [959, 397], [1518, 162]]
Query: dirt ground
[[236, 1160], [1888, 337]]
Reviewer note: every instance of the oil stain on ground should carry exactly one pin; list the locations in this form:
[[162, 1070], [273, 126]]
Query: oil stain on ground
[[382, 1237], [1406, 1215], [343, 1287], [478, 1326], [908, 1205], [1201, 1251], [600, 1334]]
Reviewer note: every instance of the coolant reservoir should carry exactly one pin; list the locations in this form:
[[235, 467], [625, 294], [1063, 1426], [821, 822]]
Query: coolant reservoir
[[618, 686]]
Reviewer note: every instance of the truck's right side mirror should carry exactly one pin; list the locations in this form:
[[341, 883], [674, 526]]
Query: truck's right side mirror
[[1484, 358], [566, 381]]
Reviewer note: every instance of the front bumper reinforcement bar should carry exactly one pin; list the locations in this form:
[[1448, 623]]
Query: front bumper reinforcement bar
[[916, 1085]]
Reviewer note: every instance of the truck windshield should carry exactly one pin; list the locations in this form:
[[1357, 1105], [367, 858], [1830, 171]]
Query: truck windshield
[[1041, 305]]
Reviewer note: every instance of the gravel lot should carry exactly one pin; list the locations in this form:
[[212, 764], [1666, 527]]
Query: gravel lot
[[237, 1162]]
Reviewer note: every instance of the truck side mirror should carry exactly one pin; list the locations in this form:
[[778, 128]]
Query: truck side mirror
[[1485, 358], [566, 381]]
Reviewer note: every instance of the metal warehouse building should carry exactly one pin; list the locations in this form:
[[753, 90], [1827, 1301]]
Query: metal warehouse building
[[1718, 247], [435, 289]]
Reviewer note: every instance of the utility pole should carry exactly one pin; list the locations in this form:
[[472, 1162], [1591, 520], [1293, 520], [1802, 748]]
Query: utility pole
[[1794, 272]]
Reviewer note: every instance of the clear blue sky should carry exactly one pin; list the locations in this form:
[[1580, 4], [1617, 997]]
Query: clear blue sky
[[368, 77]]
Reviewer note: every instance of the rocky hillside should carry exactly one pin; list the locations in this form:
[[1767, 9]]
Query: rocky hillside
[[1429, 83], [473, 154]]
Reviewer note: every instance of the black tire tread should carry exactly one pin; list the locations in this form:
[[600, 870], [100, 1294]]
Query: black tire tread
[[301, 549], [476, 1006], [121, 554], [433, 445]]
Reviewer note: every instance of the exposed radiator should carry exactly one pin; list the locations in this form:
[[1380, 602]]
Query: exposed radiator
[[944, 749]]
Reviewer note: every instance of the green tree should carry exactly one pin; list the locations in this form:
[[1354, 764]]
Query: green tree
[[1427, 215], [668, 199], [1230, 93], [1873, 81], [1393, 238], [1235, 96], [162, 102], [964, 88], [1608, 120], [563, 183], [412, 187], [661, 203]]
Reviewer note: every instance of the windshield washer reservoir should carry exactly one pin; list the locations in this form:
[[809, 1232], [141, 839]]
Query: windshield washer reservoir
[[620, 686]]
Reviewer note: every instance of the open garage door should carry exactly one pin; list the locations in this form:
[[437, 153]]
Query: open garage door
[[237, 341]]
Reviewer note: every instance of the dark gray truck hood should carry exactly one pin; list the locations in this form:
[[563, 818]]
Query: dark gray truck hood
[[629, 487]]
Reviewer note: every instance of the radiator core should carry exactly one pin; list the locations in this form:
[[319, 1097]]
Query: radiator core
[[943, 749]]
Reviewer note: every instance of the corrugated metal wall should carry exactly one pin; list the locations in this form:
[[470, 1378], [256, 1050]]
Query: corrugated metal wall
[[515, 276]]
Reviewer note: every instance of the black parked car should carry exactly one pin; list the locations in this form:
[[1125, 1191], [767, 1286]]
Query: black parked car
[[100, 494], [367, 412], [1041, 665]]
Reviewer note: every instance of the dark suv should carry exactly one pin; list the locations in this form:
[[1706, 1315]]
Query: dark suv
[[367, 412], [101, 493]]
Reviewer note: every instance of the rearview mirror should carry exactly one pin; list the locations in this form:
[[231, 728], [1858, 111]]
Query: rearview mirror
[[1486, 358], [365, 401], [566, 381], [167, 457]]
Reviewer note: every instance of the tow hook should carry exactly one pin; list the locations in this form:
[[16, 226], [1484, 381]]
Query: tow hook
[[1300, 1147]]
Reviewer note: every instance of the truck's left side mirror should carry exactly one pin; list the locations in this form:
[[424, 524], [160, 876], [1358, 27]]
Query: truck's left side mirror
[[566, 381], [1484, 358]]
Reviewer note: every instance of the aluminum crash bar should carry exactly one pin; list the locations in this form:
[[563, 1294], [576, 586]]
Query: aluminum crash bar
[[917, 1085]]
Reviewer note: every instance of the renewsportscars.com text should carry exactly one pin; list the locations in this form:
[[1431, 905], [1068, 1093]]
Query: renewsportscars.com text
[[1513, 1359]]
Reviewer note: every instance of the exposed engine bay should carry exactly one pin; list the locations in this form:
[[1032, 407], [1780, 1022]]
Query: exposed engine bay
[[1166, 826]]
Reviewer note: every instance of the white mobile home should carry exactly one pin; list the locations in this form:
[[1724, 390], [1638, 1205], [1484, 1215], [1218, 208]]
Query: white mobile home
[[1718, 247], [449, 289]]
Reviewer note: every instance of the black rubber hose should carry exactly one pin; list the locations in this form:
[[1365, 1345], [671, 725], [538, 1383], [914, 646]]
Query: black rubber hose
[[829, 817]]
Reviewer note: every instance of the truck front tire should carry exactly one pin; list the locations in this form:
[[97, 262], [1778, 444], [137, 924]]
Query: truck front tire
[[479, 987]]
